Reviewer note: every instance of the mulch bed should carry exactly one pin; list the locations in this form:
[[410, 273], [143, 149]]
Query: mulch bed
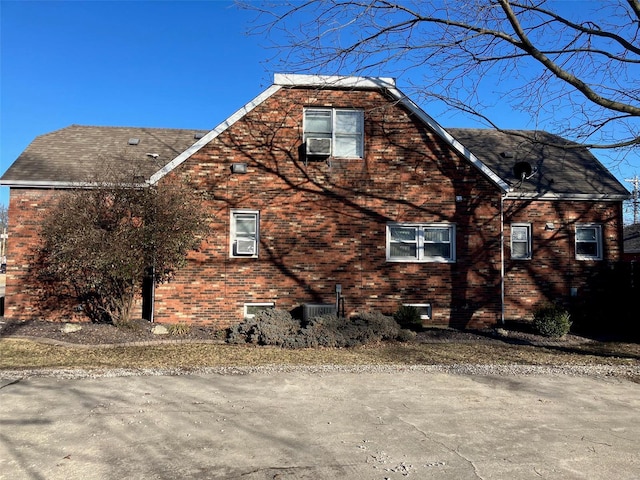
[[107, 334]]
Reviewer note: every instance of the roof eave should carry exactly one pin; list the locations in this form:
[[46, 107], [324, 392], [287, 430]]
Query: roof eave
[[612, 197], [49, 184], [448, 138], [213, 134]]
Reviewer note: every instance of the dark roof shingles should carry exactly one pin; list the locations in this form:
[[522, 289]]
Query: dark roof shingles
[[556, 170], [70, 154]]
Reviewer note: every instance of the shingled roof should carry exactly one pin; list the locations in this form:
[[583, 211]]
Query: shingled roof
[[555, 172], [67, 156], [632, 238]]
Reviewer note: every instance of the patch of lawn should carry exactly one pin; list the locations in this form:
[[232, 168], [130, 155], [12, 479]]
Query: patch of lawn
[[16, 354]]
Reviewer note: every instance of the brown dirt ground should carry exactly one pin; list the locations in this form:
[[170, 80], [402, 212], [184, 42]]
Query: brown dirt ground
[[106, 334]]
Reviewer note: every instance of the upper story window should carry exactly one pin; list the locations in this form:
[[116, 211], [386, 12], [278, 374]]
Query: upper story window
[[342, 129], [245, 233], [589, 242], [521, 241], [430, 242]]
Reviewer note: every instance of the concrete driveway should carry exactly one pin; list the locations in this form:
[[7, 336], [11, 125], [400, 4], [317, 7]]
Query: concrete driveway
[[392, 424]]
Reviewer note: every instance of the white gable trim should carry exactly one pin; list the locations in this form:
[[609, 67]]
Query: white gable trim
[[332, 81], [328, 81], [447, 137], [213, 134]]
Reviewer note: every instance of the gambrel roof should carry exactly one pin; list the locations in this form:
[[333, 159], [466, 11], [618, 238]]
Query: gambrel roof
[[63, 158]]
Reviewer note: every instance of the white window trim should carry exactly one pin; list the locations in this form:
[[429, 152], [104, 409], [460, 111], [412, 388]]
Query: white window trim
[[424, 309], [598, 242], [256, 304], [232, 233], [421, 257], [529, 254], [333, 128]]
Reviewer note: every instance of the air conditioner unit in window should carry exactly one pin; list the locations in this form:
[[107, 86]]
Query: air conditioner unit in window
[[245, 247], [319, 146]]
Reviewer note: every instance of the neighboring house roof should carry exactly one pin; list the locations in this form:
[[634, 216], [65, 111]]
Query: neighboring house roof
[[632, 238], [555, 172], [67, 157]]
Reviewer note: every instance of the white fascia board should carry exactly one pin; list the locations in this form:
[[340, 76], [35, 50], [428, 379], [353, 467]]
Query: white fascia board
[[38, 184], [603, 197], [213, 134], [58, 185], [332, 81], [447, 137]]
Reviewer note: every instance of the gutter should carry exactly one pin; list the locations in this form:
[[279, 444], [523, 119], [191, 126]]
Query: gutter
[[502, 286]]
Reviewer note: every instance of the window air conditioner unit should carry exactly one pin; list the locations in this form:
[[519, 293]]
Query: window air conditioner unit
[[245, 247], [319, 146]]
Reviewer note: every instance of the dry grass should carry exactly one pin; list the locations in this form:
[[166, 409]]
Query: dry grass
[[26, 354]]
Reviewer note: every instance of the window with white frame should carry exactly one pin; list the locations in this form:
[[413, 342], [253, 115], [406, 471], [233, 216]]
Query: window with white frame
[[343, 127], [429, 242], [589, 242], [245, 233], [251, 309], [521, 241]]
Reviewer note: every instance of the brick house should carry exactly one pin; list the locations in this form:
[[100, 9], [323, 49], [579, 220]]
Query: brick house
[[342, 191]]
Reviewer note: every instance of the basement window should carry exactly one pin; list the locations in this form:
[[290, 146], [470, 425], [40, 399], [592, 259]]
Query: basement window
[[251, 309]]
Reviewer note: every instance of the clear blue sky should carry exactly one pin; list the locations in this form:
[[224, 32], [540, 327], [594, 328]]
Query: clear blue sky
[[175, 64]]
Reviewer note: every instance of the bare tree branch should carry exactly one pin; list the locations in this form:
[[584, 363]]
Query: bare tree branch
[[573, 71]]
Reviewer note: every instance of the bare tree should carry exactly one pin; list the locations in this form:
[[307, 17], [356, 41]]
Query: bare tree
[[570, 67], [4, 217], [102, 238]]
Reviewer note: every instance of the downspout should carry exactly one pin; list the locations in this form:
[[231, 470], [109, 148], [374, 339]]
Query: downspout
[[502, 259]]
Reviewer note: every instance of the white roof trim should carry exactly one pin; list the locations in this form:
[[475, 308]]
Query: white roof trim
[[54, 185], [447, 137], [213, 134], [332, 81], [515, 195], [326, 81]]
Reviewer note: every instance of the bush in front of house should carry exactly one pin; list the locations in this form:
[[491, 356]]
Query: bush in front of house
[[552, 321], [279, 328], [408, 317]]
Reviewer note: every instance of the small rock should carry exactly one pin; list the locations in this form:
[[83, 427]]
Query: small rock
[[160, 330], [70, 328]]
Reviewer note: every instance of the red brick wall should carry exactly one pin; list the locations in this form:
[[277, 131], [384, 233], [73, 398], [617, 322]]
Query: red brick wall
[[553, 271], [323, 223], [25, 297]]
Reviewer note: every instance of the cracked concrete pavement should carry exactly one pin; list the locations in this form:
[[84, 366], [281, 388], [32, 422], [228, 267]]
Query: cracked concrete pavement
[[390, 424]]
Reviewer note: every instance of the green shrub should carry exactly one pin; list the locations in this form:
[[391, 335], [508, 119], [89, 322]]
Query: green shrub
[[277, 327], [551, 321], [408, 317]]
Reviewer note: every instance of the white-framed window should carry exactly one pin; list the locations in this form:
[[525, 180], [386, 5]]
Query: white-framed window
[[244, 233], [344, 127], [429, 242], [251, 309], [589, 241], [521, 241]]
